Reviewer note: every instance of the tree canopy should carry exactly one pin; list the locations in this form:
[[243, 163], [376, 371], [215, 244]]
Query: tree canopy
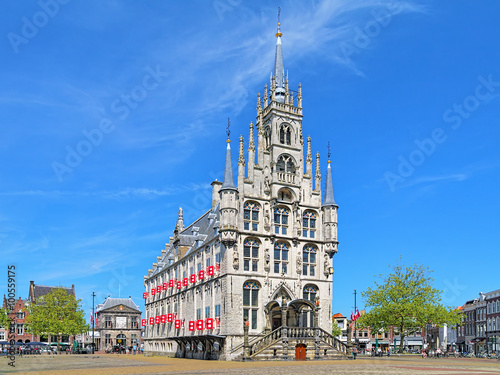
[[4, 319], [336, 331], [57, 313], [405, 300]]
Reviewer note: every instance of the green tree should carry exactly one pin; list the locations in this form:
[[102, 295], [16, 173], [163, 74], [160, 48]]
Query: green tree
[[56, 313], [407, 301], [4, 319], [336, 331]]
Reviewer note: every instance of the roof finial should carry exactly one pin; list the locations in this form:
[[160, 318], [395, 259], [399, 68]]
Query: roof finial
[[329, 152], [228, 131], [279, 23]]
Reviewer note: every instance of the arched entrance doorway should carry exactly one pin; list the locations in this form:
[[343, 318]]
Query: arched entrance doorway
[[300, 313], [121, 339], [273, 315]]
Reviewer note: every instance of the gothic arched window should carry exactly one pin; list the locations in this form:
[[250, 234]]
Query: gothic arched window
[[309, 224], [285, 164], [281, 258], [310, 292], [250, 255], [309, 260], [285, 135], [251, 216], [251, 302], [281, 220]]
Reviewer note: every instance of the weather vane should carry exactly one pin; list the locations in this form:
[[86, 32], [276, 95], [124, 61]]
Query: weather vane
[[279, 11], [329, 151], [228, 132]]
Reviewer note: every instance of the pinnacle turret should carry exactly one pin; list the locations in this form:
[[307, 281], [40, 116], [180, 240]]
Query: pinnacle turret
[[228, 182], [328, 200]]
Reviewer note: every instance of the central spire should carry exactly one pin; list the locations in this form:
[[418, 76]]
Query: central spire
[[279, 70]]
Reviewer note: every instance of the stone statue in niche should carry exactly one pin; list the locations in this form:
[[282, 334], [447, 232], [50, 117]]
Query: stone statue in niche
[[267, 184], [236, 261], [267, 221]]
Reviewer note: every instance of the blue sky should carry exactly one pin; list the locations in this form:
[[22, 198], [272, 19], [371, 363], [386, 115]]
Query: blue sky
[[407, 92]]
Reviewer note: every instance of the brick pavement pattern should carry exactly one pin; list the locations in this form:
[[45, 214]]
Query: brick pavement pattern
[[127, 364]]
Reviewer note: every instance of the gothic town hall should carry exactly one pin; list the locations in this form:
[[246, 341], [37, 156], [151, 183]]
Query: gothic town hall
[[252, 277]]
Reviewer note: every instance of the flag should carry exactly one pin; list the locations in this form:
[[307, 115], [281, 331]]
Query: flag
[[91, 316], [352, 317], [357, 314]]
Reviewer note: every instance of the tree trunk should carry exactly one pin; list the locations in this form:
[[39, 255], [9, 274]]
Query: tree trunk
[[401, 339]]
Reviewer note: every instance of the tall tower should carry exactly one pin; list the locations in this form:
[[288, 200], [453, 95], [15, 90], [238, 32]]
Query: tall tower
[[228, 195]]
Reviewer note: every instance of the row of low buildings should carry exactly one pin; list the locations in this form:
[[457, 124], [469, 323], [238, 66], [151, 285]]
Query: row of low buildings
[[479, 331], [19, 313], [118, 321], [369, 341]]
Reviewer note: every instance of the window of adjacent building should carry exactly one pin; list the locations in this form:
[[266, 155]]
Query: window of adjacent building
[[498, 306], [310, 292], [2, 336], [198, 313], [309, 224], [20, 315], [285, 135], [134, 322], [107, 322], [199, 267], [281, 258], [191, 270], [20, 329], [309, 260], [251, 302], [386, 335], [207, 312], [250, 255], [217, 258], [107, 339], [251, 216], [281, 220], [217, 311], [208, 262]]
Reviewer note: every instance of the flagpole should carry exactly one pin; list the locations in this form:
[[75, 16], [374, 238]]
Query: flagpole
[[355, 318], [93, 323]]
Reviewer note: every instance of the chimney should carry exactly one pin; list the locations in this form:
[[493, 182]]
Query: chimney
[[216, 185]]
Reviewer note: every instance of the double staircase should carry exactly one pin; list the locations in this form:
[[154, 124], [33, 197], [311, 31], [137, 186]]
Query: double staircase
[[281, 344]]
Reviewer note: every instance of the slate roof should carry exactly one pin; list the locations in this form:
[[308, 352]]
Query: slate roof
[[41, 290], [196, 235], [112, 302]]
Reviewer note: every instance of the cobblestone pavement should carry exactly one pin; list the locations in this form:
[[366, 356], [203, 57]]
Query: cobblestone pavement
[[108, 364]]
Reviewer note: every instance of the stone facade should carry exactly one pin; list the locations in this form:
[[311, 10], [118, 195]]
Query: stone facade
[[118, 322], [493, 321], [261, 254]]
